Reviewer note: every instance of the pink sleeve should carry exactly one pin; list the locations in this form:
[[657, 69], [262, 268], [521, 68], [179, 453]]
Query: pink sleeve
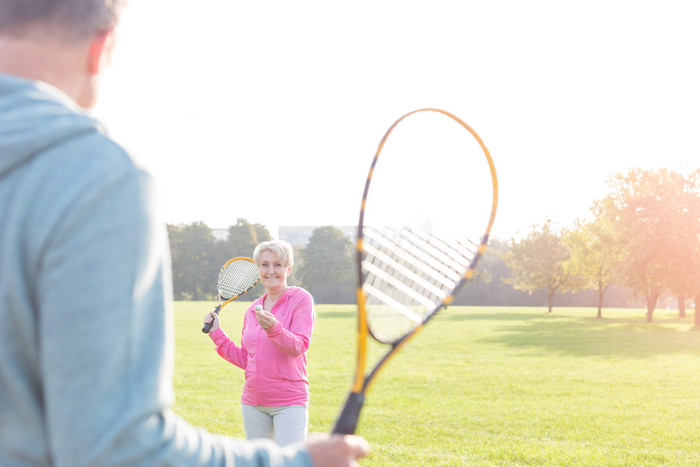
[[228, 350], [295, 340]]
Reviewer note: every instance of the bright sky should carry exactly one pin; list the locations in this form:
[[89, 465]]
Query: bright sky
[[272, 110]]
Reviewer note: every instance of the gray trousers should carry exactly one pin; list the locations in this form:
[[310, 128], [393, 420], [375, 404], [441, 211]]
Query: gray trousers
[[284, 425]]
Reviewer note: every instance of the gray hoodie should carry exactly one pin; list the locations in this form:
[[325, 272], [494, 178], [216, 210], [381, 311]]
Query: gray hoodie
[[85, 301]]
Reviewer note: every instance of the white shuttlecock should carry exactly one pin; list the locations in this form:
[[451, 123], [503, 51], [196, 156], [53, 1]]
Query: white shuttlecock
[[258, 308]]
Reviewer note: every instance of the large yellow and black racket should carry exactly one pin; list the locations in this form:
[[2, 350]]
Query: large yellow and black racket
[[424, 224], [236, 277]]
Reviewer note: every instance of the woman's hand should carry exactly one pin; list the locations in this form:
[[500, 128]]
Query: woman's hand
[[265, 318], [213, 318]]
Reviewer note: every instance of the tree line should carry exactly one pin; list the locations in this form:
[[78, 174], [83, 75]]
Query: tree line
[[323, 267], [640, 244]]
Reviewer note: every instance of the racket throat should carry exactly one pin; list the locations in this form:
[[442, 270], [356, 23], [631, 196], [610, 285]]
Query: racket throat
[[346, 424]]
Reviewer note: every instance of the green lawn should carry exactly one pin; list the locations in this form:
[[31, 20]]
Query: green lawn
[[485, 386]]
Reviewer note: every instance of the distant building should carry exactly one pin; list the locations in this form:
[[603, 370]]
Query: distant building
[[299, 235], [220, 234], [295, 235]]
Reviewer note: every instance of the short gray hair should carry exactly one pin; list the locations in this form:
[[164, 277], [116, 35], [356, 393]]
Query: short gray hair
[[282, 249], [59, 19]]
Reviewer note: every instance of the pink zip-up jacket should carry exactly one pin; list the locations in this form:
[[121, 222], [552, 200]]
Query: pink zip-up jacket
[[274, 359]]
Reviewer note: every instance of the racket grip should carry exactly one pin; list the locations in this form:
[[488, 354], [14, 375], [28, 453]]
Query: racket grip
[[207, 326], [346, 424]]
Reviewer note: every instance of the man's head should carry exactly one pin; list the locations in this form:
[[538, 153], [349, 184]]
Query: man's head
[[58, 20], [66, 43]]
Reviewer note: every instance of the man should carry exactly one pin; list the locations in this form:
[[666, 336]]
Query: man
[[85, 321]]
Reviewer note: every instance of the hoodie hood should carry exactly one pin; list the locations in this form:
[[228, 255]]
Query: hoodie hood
[[33, 117]]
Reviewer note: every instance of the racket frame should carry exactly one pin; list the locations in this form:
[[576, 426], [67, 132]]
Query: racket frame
[[218, 308], [346, 422]]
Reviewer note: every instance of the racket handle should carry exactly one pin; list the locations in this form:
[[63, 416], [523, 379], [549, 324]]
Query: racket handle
[[346, 424], [207, 326]]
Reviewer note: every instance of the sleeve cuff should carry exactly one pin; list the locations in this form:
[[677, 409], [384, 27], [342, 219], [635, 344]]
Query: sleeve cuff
[[217, 335], [274, 329]]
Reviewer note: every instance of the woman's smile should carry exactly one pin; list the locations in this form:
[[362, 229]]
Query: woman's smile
[[273, 272]]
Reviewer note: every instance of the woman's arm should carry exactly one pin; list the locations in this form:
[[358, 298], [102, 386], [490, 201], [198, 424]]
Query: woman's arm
[[294, 339], [228, 350]]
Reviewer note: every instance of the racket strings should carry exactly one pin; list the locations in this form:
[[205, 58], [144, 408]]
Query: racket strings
[[406, 275], [456, 254], [389, 259], [237, 277]]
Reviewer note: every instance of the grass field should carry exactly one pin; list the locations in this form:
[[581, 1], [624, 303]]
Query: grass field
[[485, 386]]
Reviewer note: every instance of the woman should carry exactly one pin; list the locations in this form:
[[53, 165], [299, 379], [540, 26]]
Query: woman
[[273, 349]]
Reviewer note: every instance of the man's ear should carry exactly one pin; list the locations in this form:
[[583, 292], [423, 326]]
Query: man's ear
[[100, 51]]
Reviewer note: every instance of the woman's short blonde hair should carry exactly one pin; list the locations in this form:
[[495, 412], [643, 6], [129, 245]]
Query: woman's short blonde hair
[[282, 249]]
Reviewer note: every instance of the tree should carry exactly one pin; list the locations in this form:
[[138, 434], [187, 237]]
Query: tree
[[487, 287], [197, 256], [684, 280], [191, 249], [242, 239], [537, 261], [261, 233], [327, 266], [652, 213], [595, 254]]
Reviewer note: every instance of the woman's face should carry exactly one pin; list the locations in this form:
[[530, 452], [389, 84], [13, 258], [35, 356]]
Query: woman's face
[[273, 272]]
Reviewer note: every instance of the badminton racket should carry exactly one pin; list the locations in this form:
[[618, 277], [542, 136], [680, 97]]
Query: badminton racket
[[236, 277], [427, 209]]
